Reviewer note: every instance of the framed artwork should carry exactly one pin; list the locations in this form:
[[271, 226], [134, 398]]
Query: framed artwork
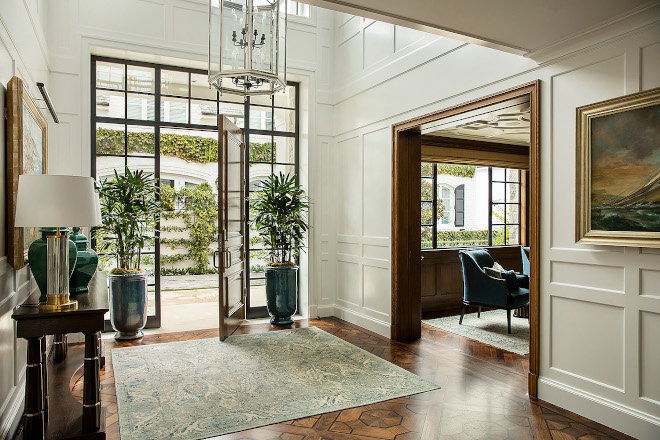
[[618, 171], [27, 153]]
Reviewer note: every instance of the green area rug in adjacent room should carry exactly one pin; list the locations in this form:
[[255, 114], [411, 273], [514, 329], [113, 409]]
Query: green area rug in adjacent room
[[203, 388], [490, 329]]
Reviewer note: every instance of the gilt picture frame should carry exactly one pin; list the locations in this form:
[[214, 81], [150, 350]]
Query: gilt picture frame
[[27, 153], [618, 171]]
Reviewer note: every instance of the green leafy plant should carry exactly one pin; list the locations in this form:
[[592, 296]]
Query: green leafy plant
[[130, 210], [280, 207], [457, 170], [199, 212]]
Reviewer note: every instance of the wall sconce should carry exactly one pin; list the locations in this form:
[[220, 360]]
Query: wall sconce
[[49, 103]]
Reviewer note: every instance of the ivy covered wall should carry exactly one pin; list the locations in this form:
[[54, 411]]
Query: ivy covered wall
[[189, 148]]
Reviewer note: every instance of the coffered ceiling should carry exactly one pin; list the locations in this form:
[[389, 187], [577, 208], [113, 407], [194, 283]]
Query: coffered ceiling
[[507, 122]]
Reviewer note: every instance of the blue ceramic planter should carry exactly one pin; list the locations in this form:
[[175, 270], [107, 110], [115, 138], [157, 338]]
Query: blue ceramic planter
[[281, 293], [128, 304]]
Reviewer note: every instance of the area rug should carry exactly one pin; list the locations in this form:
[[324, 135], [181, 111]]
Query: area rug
[[203, 388], [490, 329]]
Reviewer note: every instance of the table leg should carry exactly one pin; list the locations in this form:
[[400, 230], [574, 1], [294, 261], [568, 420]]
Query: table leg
[[59, 348], [34, 412], [44, 379], [91, 384], [101, 355]]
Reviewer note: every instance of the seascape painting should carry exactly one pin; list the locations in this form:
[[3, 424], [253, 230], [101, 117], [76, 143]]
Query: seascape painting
[[625, 170], [33, 148]]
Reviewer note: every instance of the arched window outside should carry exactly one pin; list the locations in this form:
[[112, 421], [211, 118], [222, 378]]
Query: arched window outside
[[445, 195]]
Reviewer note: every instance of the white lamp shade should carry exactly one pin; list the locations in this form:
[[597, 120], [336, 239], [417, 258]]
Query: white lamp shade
[[49, 200]]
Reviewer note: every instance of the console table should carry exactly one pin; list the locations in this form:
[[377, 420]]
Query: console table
[[33, 325]]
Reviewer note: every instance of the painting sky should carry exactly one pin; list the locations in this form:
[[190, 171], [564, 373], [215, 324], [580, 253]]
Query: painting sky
[[625, 152]]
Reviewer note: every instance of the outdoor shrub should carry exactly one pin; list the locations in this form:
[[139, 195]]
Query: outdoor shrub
[[200, 216], [462, 238]]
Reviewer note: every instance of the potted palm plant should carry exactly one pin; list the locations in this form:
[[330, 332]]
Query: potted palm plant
[[130, 210], [279, 215]]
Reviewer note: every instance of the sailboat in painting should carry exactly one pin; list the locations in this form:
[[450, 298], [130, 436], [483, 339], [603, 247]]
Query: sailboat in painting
[[649, 193], [637, 210], [625, 185]]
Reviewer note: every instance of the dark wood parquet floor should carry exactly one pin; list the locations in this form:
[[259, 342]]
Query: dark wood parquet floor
[[483, 394]]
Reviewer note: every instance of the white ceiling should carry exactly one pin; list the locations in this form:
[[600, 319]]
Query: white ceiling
[[523, 27]]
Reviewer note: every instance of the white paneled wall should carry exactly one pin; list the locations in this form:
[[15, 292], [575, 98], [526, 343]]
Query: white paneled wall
[[600, 306], [175, 32], [23, 53]]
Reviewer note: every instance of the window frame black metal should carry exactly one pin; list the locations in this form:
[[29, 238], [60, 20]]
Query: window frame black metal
[[154, 321]]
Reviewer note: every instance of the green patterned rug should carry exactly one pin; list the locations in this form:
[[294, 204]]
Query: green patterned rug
[[203, 388], [490, 329]]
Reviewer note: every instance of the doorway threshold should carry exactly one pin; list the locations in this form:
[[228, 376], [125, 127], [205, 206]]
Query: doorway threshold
[[189, 317], [267, 320]]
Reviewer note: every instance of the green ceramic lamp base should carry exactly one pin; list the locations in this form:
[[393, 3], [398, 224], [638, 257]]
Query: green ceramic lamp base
[[37, 259]]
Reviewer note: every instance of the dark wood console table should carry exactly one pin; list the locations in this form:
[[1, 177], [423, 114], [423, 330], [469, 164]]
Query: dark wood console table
[[33, 325]]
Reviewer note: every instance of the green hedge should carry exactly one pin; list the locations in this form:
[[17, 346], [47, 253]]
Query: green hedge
[[448, 239], [189, 148], [462, 238], [450, 169], [457, 170]]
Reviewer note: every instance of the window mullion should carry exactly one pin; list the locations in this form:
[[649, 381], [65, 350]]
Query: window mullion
[[490, 206], [435, 206]]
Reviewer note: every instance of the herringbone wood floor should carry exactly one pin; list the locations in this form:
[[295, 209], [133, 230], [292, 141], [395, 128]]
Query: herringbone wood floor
[[483, 394]]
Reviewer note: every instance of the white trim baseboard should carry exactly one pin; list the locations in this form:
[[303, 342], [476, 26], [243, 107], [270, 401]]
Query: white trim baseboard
[[13, 412], [628, 420], [367, 322]]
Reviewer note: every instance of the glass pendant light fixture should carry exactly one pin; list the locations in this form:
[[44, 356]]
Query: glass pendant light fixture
[[247, 46]]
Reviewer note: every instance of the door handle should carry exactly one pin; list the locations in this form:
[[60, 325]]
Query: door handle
[[227, 258], [215, 262]]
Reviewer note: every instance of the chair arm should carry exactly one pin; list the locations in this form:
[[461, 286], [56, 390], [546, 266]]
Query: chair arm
[[523, 280], [478, 287]]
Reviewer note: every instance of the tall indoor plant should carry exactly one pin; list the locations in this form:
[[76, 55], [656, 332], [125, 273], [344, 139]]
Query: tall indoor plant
[[130, 210], [279, 209]]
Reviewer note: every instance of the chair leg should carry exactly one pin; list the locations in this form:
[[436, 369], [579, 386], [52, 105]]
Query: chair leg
[[460, 321], [508, 319], [479, 312]]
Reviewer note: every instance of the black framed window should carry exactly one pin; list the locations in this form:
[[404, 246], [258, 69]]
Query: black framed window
[[470, 206], [151, 117], [273, 140], [124, 133], [505, 206]]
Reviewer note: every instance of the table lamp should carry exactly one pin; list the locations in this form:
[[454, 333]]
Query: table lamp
[[48, 200]]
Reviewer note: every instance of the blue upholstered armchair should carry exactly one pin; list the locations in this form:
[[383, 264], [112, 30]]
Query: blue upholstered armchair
[[524, 250], [510, 291]]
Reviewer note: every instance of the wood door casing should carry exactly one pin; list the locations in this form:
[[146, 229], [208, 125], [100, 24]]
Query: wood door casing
[[231, 226], [406, 272]]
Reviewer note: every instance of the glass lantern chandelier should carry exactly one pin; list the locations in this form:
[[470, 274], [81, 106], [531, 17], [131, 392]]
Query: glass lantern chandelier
[[247, 46]]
